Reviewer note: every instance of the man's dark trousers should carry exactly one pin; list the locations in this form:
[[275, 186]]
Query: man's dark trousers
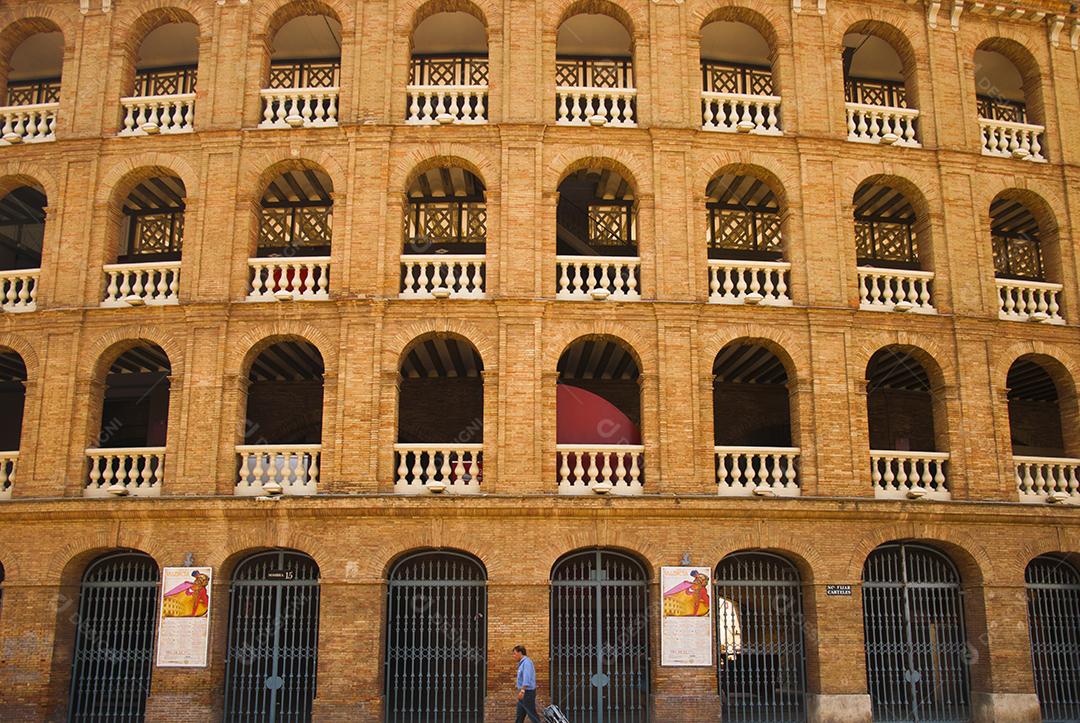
[[527, 707]]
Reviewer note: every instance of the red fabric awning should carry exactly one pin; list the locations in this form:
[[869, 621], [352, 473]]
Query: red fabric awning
[[587, 418]]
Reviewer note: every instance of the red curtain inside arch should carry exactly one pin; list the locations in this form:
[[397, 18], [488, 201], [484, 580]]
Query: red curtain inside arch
[[587, 418]]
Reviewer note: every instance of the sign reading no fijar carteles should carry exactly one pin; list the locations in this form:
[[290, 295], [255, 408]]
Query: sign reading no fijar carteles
[[838, 591]]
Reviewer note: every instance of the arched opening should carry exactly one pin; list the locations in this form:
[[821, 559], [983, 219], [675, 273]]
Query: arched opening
[[598, 419], [436, 630], [12, 402], [1026, 264], [916, 643], [282, 431], [761, 658], [34, 69], [1009, 102], [296, 214], [271, 658], [128, 454], [114, 638], [304, 73], [1053, 602], [445, 235], [600, 629], [448, 71], [752, 423], [745, 241], [594, 72], [22, 238], [440, 417], [878, 89], [1035, 419], [166, 67], [738, 91], [596, 236]]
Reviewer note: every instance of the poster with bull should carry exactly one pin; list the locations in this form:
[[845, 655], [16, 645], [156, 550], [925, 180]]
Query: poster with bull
[[686, 617], [184, 617]]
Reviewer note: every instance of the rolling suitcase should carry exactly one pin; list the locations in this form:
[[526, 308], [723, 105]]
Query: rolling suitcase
[[552, 714]]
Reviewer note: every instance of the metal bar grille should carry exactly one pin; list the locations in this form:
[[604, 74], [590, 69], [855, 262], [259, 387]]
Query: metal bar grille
[[761, 660], [913, 620], [114, 640], [272, 655], [436, 639], [1053, 596], [600, 638]]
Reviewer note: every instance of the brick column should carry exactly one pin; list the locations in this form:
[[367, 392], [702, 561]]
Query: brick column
[[1002, 686], [835, 693], [677, 425], [357, 608], [842, 455], [518, 611]]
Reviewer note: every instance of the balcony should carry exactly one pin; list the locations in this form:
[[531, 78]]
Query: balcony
[[882, 125], [757, 471], [736, 113], [600, 469], [146, 284], [596, 278], [299, 108], [895, 290], [442, 276], [18, 290], [749, 282], [1048, 479], [135, 471], [909, 475], [289, 279], [449, 89], [436, 469], [1022, 300], [8, 462], [28, 123], [151, 115], [595, 91], [1003, 139], [278, 469]]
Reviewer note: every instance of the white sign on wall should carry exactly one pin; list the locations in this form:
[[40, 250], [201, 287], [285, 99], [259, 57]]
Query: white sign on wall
[[686, 617], [184, 617]]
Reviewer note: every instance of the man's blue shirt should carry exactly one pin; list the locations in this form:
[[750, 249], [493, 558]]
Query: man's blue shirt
[[526, 674]]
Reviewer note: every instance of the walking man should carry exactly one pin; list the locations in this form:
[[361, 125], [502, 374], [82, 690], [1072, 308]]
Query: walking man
[[526, 686]]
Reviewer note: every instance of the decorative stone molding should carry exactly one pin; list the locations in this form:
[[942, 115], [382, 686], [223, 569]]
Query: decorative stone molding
[[85, 5], [796, 6]]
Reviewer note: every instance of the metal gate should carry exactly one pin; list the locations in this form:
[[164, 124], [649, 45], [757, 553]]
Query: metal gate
[[600, 638], [436, 639], [1053, 596], [759, 639], [913, 618], [114, 638], [270, 663]]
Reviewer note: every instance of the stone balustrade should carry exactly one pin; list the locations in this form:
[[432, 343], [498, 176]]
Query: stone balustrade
[[155, 283], [749, 282], [601, 469], [300, 278], [277, 469], [136, 471], [738, 113], [611, 107], [1029, 301], [446, 104], [1048, 479], [895, 290], [1005, 139], [153, 114], [18, 290], [909, 475], [442, 276], [435, 468], [882, 125], [299, 108], [584, 278], [8, 462], [757, 471], [28, 123]]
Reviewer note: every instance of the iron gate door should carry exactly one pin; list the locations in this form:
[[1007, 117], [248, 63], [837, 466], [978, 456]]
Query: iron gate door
[[1053, 597], [114, 640], [761, 660], [600, 638], [270, 662], [436, 639], [913, 618]]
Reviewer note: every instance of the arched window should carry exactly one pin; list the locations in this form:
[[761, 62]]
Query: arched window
[[304, 74], [878, 89], [916, 644], [600, 637], [761, 659], [596, 237], [162, 97], [271, 659], [1027, 267], [128, 454], [283, 424], [598, 411], [738, 94], [1053, 597], [448, 73], [436, 638], [114, 638], [1042, 427], [22, 237], [1009, 103], [12, 401], [445, 235], [594, 73], [31, 90], [440, 417]]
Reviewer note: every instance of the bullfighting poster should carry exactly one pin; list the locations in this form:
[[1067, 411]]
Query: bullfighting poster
[[686, 617], [184, 619]]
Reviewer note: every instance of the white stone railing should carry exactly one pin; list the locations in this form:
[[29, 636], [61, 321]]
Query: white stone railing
[[882, 124], [600, 469], [8, 462], [154, 283], [895, 290], [18, 289], [428, 468], [760, 471], [613, 107], [582, 278], [909, 475], [442, 276], [299, 108], [153, 114], [1029, 301], [749, 282], [137, 471], [1004, 139], [300, 278], [1048, 479], [28, 123], [278, 469], [738, 113], [445, 104]]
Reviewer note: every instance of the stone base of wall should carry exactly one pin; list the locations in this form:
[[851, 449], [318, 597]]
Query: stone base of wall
[[823, 708], [1005, 708]]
